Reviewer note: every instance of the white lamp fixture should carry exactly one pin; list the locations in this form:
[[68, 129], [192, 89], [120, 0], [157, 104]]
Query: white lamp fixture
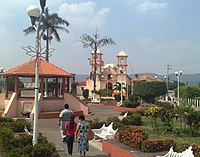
[[33, 12]]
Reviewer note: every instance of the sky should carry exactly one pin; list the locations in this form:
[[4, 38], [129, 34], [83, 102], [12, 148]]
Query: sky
[[153, 33]]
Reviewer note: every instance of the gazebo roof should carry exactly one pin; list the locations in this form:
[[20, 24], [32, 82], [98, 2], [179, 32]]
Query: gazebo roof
[[45, 69]]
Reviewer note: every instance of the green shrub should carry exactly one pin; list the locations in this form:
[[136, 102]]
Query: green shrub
[[22, 141], [96, 124], [116, 122], [134, 119], [130, 104], [164, 104], [20, 152], [118, 97], [133, 98], [38, 150], [19, 125], [157, 145], [141, 111], [9, 125], [45, 150], [6, 137], [5, 119]]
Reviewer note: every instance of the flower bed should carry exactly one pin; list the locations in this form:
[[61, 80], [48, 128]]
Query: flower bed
[[124, 109]]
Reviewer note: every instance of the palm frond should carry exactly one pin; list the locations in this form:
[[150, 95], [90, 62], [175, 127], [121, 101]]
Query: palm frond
[[55, 33], [105, 41], [87, 41], [29, 30]]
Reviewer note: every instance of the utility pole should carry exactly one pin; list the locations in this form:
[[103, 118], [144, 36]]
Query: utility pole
[[167, 79]]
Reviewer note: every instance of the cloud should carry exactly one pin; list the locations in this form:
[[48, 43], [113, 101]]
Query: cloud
[[148, 5], [83, 14]]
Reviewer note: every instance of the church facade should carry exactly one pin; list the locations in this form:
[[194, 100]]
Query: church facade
[[107, 75]]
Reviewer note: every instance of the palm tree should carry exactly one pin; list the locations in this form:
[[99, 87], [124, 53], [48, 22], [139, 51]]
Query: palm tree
[[119, 87], [50, 24], [94, 44]]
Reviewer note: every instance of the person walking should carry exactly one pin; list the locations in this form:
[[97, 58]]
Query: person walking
[[70, 128], [82, 136], [64, 117]]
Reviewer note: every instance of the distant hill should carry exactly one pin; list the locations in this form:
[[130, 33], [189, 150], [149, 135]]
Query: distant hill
[[80, 77], [188, 79]]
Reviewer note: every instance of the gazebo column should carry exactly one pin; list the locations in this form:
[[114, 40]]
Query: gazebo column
[[63, 87], [16, 85], [42, 86], [56, 90], [6, 88], [68, 85]]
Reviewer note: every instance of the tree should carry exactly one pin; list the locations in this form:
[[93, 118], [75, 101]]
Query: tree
[[119, 87], [50, 24], [86, 93], [174, 84], [94, 43], [148, 90], [189, 92]]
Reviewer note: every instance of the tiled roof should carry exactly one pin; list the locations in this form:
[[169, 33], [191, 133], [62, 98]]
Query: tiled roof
[[109, 70], [81, 83], [45, 69], [147, 78]]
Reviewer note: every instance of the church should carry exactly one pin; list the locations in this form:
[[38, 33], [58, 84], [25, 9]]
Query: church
[[106, 75]]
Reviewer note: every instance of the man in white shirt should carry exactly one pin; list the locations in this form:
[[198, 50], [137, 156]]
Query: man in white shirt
[[64, 117]]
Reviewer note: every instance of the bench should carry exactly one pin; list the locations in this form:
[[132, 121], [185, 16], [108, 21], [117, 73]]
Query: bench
[[105, 132], [186, 153], [27, 131], [122, 117]]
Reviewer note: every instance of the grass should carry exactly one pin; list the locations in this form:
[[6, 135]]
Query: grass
[[147, 126]]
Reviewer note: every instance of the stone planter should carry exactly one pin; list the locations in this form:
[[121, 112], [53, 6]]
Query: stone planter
[[116, 149]]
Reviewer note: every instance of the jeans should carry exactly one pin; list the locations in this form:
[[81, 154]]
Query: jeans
[[70, 142]]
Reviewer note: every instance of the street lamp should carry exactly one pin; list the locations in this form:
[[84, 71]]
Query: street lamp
[[166, 78], [121, 72], [1, 80], [34, 12], [178, 74]]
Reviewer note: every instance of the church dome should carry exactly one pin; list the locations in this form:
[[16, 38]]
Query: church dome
[[110, 65], [122, 53]]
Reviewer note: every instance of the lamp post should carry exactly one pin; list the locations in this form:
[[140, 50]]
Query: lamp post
[[167, 85], [121, 72], [34, 12], [1, 80], [178, 74]]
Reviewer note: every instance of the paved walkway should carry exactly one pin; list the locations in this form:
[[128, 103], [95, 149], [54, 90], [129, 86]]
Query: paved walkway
[[50, 129]]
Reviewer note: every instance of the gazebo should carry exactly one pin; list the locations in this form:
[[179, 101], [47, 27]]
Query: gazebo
[[54, 90], [58, 80]]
